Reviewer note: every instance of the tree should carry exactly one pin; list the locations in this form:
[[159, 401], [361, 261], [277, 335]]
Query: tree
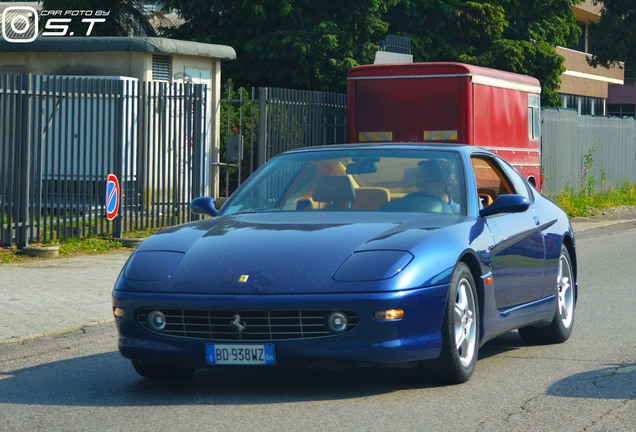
[[613, 38], [288, 43], [514, 35], [311, 45]]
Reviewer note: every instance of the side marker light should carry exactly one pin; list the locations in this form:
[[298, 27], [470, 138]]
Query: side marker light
[[389, 315], [119, 313]]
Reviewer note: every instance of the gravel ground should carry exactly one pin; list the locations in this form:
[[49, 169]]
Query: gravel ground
[[622, 212]]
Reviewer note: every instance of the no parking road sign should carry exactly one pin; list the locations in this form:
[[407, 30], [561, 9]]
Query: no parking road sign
[[112, 196]]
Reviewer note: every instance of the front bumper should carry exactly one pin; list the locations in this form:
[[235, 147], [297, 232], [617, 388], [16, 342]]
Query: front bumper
[[414, 338]]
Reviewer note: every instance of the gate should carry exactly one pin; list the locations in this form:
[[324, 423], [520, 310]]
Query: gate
[[269, 121], [60, 137]]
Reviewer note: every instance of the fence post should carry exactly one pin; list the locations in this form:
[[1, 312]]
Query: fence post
[[262, 126], [118, 166], [195, 107], [317, 114], [23, 134]]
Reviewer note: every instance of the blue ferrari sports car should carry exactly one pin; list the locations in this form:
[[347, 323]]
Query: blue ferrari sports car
[[385, 255]]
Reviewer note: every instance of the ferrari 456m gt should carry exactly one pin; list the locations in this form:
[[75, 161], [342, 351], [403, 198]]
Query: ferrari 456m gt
[[386, 255]]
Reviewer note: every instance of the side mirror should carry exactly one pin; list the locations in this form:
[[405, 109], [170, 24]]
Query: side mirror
[[506, 204], [203, 206]]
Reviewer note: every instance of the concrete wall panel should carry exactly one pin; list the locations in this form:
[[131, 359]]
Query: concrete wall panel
[[567, 138]]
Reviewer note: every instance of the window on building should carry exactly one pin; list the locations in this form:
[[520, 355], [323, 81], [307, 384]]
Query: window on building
[[580, 43], [569, 101], [621, 110], [533, 117], [598, 106], [584, 105]]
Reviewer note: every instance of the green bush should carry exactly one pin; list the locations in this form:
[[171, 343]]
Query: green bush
[[586, 201]]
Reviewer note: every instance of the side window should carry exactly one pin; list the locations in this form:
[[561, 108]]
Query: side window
[[518, 183], [491, 182], [533, 117]]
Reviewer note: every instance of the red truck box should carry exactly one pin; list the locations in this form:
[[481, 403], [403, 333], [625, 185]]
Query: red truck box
[[448, 103]]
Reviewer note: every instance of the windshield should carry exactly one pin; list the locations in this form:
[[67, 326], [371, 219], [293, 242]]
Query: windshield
[[384, 180]]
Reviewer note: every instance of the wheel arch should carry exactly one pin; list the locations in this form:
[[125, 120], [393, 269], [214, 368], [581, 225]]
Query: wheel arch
[[470, 259], [568, 242]]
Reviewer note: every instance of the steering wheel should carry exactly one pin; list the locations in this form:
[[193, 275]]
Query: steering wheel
[[486, 199]]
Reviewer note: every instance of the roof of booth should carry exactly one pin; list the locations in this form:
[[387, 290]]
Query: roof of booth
[[121, 44]]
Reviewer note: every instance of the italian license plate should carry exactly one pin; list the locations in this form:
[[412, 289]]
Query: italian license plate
[[228, 354]]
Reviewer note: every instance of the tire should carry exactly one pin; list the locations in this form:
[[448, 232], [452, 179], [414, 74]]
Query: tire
[[161, 372], [560, 329], [460, 329]]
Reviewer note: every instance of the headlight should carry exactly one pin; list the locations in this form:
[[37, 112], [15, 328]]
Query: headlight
[[152, 265], [372, 265]]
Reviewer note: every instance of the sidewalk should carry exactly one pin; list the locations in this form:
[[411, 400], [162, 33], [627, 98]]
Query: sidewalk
[[583, 224], [41, 297]]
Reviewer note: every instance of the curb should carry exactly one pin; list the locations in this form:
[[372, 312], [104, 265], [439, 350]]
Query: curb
[[580, 224], [131, 242], [41, 251], [54, 332]]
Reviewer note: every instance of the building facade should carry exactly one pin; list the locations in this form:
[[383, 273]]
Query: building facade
[[143, 59], [589, 90], [621, 99]]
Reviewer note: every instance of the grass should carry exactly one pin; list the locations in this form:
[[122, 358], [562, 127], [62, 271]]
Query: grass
[[75, 246], [586, 201], [90, 245], [11, 254]]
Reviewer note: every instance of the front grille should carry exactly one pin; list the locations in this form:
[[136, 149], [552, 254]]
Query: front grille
[[258, 325]]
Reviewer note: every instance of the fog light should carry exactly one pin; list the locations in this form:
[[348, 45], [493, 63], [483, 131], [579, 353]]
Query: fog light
[[156, 320], [389, 315], [337, 322], [118, 312]]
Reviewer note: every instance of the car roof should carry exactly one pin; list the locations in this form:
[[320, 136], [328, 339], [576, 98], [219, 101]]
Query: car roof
[[460, 148]]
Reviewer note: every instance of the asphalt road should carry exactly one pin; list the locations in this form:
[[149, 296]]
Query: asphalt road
[[78, 381]]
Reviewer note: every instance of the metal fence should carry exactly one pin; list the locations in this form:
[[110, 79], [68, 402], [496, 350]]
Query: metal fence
[[273, 120], [396, 44], [575, 147], [60, 137]]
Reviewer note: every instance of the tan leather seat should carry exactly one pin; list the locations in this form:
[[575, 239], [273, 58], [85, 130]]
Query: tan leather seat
[[370, 198], [336, 191]]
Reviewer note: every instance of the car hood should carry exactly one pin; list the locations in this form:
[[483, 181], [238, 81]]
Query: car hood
[[283, 253]]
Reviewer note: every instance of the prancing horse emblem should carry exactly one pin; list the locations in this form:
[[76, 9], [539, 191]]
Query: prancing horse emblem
[[238, 325]]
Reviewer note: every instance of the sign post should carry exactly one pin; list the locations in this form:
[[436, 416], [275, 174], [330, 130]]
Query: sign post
[[113, 196]]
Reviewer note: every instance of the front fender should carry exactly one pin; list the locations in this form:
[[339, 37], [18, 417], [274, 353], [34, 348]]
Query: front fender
[[437, 255]]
